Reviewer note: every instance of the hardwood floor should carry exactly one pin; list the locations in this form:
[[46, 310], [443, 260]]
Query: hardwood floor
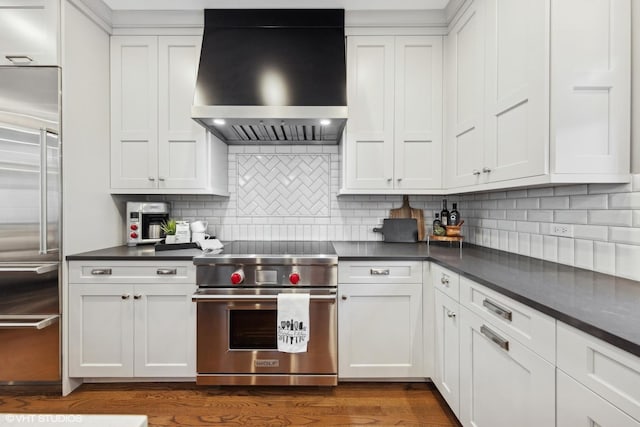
[[182, 404]]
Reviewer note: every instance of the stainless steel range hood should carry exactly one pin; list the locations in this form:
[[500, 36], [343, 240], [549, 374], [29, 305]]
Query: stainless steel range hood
[[272, 76]]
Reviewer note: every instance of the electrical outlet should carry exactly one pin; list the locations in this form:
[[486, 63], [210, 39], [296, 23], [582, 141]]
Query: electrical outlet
[[564, 230]]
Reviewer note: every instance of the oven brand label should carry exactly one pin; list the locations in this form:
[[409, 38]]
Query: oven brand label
[[266, 363]]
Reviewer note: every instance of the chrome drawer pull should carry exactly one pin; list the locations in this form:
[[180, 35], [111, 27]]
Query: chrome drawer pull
[[445, 280], [167, 271], [496, 309], [101, 272], [502, 343], [379, 272], [451, 314]]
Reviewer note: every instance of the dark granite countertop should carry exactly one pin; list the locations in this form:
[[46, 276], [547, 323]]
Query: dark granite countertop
[[135, 253], [604, 306]]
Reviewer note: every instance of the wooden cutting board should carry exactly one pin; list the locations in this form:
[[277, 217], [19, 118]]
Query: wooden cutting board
[[406, 211]]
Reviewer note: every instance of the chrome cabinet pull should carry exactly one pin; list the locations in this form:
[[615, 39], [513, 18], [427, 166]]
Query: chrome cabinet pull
[[151, 178], [137, 296], [344, 297], [101, 272], [496, 309], [476, 172], [125, 296], [167, 271], [445, 280], [501, 342], [451, 314], [379, 272], [486, 170], [19, 59], [161, 178]]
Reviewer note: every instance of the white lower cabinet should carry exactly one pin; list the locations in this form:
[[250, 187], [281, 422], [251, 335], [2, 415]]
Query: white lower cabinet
[[380, 324], [447, 350], [580, 407], [124, 330], [502, 382]]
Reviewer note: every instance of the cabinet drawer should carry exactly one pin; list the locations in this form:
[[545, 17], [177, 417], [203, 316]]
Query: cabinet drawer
[[446, 281], [135, 271], [530, 327], [580, 407], [380, 272], [609, 371]]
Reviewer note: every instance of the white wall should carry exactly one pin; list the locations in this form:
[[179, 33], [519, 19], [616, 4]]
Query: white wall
[[635, 86], [91, 219]]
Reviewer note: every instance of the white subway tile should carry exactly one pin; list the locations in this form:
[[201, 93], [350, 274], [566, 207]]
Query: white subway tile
[[590, 232], [524, 244], [504, 241], [540, 215], [495, 239], [540, 192], [554, 203], [635, 182], [527, 227], [624, 201], [536, 246], [583, 254], [498, 195], [486, 237], [636, 218], [517, 215], [516, 194], [489, 204], [611, 217], [627, 264], [570, 217], [506, 204], [604, 257], [609, 188], [565, 251], [594, 201], [625, 235], [498, 214], [532, 203], [569, 190], [489, 223], [513, 242], [545, 228], [550, 248], [234, 149]]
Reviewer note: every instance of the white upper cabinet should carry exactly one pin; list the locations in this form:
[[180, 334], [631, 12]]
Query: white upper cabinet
[[591, 86], [534, 100], [394, 133], [155, 145], [464, 106], [29, 34]]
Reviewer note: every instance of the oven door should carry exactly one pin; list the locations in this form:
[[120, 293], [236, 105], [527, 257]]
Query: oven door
[[237, 344]]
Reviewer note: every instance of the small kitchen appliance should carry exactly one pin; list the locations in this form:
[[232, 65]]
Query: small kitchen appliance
[[144, 220]]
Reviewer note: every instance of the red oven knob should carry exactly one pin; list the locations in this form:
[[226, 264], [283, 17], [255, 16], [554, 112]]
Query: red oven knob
[[294, 278], [237, 277], [134, 235], [134, 227]]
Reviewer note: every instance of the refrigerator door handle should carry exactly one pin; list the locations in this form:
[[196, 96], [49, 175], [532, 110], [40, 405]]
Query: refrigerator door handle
[[38, 269], [43, 192], [29, 321]]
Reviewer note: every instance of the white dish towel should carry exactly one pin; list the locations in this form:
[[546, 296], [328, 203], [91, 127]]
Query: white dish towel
[[293, 322]]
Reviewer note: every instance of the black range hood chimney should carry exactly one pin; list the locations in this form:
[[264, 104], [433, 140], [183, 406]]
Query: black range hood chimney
[[272, 76]]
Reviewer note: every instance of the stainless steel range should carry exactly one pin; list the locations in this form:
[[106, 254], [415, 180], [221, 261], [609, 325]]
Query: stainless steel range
[[237, 312]]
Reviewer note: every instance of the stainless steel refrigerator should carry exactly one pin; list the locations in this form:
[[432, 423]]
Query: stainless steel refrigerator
[[30, 211]]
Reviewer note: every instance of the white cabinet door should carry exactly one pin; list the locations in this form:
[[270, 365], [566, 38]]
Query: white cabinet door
[[590, 75], [100, 330], [418, 113], [464, 106], [134, 112], [580, 407], [181, 141], [29, 33], [370, 96], [516, 89], [380, 331], [502, 382], [165, 331], [447, 350]]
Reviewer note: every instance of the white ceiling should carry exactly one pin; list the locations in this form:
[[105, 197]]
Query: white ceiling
[[276, 4]]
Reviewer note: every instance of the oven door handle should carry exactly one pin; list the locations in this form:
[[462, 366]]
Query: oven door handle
[[205, 298]]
